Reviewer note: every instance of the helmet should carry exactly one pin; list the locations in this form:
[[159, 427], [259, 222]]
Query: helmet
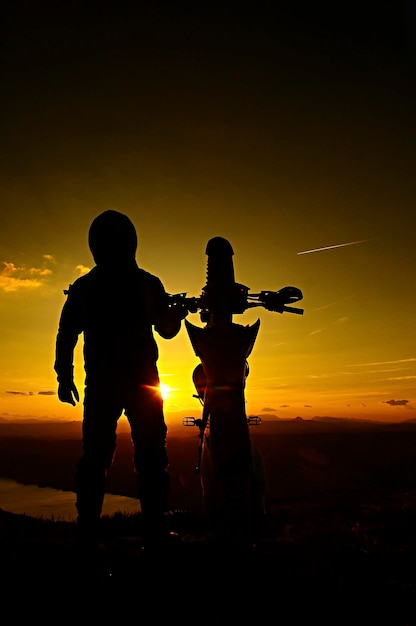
[[112, 238]]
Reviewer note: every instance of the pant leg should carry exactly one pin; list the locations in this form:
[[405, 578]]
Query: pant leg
[[102, 408], [144, 410]]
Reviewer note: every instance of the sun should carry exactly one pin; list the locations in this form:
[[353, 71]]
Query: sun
[[165, 390]]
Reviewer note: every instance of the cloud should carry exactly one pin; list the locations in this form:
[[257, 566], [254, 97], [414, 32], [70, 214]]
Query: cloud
[[318, 376], [396, 402], [82, 269], [385, 367], [332, 304], [342, 320], [268, 409], [14, 278], [32, 393], [412, 359], [338, 322]]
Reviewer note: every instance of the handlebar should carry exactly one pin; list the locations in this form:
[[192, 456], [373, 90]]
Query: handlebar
[[277, 301], [238, 299]]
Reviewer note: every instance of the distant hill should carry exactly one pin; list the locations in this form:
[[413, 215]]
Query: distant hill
[[40, 428], [72, 429]]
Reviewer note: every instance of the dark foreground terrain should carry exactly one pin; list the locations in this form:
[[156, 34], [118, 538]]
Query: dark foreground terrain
[[341, 558], [338, 545]]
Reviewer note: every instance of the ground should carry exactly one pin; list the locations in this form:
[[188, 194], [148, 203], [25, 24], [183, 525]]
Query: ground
[[345, 556]]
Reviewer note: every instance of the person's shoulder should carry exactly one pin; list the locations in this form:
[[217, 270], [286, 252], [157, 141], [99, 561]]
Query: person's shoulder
[[149, 279], [82, 282]]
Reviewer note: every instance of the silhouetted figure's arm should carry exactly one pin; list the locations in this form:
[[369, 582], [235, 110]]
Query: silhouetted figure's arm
[[168, 324], [66, 341], [164, 315]]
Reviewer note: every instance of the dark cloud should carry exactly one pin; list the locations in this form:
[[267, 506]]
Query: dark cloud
[[396, 402], [268, 409], [32, 393]]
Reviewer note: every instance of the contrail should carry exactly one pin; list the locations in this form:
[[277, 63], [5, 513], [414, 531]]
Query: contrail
[[337, 245]]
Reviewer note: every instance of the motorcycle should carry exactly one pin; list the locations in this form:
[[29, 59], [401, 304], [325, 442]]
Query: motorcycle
[[233, 476]]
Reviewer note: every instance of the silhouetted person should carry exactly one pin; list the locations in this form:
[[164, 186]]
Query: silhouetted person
[[116, 306]]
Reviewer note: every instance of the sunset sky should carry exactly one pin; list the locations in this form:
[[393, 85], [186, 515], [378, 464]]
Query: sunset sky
[[284, 131]]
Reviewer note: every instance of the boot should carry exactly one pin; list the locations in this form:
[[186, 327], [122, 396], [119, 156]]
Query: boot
[[153, 493]]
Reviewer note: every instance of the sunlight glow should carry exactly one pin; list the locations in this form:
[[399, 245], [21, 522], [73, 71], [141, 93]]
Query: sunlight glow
[[165, 390]]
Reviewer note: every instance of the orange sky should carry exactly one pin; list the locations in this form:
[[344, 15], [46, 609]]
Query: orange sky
[[282, 132]]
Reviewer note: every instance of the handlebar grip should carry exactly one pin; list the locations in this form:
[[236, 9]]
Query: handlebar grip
[[293, 309]]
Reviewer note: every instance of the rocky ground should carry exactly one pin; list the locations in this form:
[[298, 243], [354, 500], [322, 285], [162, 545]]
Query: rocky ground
[[343, 557]]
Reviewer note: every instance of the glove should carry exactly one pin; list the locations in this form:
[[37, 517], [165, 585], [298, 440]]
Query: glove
[[181, 310], [67, 392]]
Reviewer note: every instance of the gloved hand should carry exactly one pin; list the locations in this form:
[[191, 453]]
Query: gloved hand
[[170, 323], [181, 310], [67, 392]]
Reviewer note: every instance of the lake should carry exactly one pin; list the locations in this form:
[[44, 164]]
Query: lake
[[47, 503]]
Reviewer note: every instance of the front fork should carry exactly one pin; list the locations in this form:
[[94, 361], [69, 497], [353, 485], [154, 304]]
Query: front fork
[[231, 467]]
